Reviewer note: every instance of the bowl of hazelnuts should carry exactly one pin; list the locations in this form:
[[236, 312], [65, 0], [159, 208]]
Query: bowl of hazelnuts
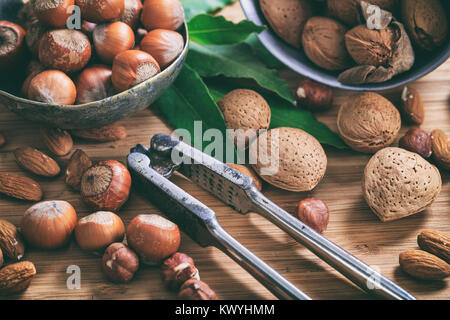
[[78, 64], [360, 45]]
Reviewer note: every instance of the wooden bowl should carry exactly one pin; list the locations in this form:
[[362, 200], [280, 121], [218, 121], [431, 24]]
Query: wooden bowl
[[89, 115], [296, 59]]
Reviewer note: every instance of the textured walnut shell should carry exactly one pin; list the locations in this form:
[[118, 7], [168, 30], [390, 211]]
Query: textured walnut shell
[[289, 159], [398, 183], [348, 11], [323, 42], [287, 18], [247, 110], [426, 22], [368, 122], [371, 47]]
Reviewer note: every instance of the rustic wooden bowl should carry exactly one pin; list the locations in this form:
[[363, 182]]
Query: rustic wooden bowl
[[296, 59], [89, 115]]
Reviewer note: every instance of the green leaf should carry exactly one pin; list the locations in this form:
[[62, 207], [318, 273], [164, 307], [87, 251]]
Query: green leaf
[[210, 30], [262, 53], [284, 114], [188, 100], [194, 7], [236, 61]]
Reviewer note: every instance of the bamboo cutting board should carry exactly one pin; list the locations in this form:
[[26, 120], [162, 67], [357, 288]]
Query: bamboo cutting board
[[352, 225]]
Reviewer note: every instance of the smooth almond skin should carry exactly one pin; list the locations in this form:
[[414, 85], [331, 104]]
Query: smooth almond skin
[[423, 265], [435, 242], [398, 183], [287, 18], [112, 132], [16, 277], [20, 187], [289, 159], [11, 242], [37, 162], [368, 122], [58, 141], [411, 106]]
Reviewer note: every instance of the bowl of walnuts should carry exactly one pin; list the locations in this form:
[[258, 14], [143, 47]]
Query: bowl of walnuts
[[360, 45], [78, 64]]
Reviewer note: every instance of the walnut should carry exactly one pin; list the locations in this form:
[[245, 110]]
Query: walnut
[[323, 42], [426, 22]]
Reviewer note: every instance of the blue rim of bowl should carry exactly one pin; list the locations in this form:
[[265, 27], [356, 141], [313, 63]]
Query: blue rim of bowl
[[162, 74], [273, 43]]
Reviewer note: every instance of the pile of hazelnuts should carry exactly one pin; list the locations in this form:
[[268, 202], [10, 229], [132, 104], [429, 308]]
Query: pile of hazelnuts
[[120, 44]]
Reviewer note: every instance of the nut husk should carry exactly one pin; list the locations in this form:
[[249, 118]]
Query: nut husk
[[426, 22], [323, 42], [348, 11], [287, 18]]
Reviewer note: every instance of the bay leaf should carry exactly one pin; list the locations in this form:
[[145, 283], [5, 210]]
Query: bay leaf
[[216, 30]]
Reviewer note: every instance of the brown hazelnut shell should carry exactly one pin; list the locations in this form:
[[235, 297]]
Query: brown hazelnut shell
[[119, 263], [53, 13], [163, 45], [11, 44], [162, 14]]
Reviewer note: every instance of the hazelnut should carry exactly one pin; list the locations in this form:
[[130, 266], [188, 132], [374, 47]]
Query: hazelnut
[[314, 96], [119, 263], [131, 68], [88, 28], [54, 87], [196, 290], [287, 18], [249, 173], [440, 145], [314, 213], [79, 162], [163, 45], [101, 10], [368, 122], [106, 186], [411, 106], [162, 14], [26, 15], [11, 45], [66, 50], [98, 230], [323, 42], [34, 34], [177, 269], [53, 13], [426, 22], [112, 39], [418, 141], [246, 112], [94, 84], [132, 13], [153, 237], [49, 224]]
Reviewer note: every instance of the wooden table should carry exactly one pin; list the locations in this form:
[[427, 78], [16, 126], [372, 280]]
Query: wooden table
[[352, 225]]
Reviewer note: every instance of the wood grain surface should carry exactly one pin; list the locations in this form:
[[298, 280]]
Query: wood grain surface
[[352, 225]]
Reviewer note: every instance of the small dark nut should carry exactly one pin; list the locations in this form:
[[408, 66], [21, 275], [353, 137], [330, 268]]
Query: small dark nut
[[314, 96], [119, 263], [411, 106], [418, 141], [314, 213], [196, 290], [177, 269]]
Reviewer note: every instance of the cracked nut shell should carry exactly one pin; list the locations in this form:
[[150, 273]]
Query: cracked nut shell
[[398, 183], [368, 122], [196, 290], [119, 263], [177, 269]]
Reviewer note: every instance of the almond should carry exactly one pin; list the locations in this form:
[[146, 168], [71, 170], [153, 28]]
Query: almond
[[423, 265], [36, 162], [11, 242], [58, 141], [440, 144], [20, 187], [110, 132], [435, 242], [412, 106], [16, 278], [78, 164]]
